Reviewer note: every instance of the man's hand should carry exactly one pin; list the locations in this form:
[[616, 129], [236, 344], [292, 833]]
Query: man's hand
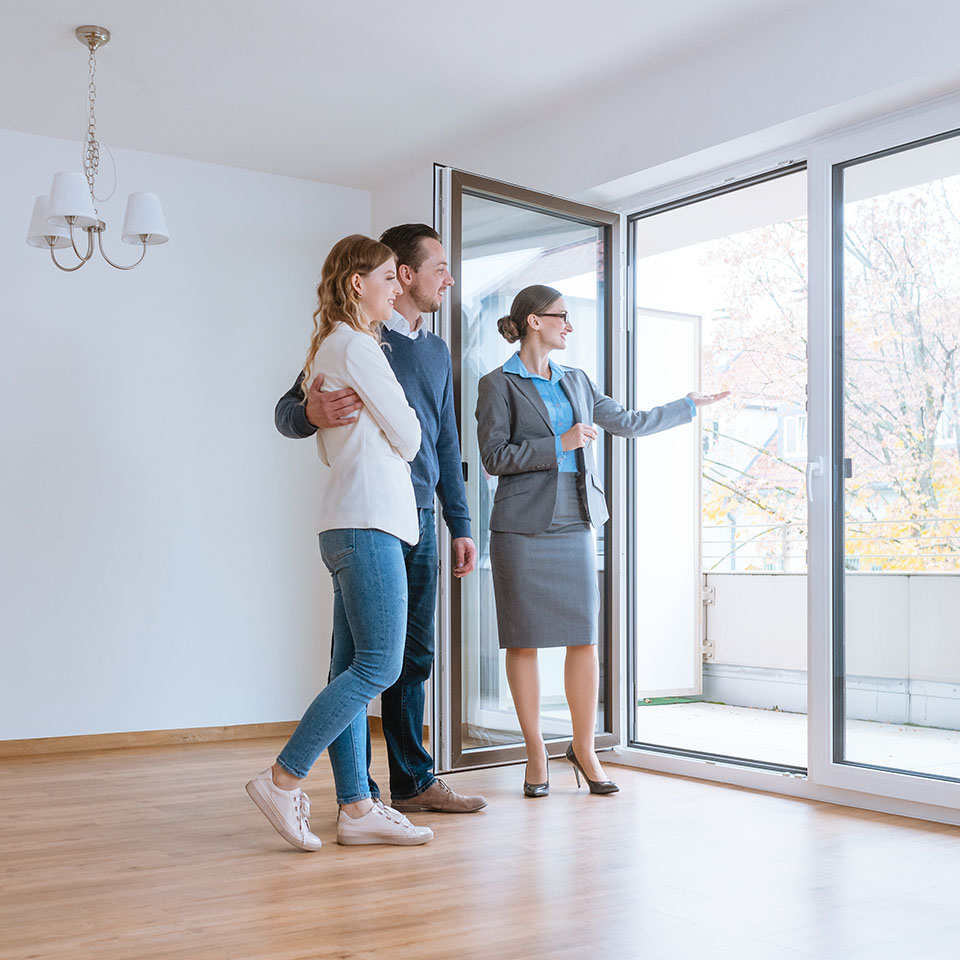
[[336, 408], [465, 556]]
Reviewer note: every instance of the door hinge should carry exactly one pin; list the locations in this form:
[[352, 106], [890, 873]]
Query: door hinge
[[708, 595], [706, 648]]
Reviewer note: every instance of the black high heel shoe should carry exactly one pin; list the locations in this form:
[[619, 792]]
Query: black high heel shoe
[[596, 786], [537, 789]]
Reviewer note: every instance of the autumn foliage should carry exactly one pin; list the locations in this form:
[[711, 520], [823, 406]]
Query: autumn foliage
[[901, 329]]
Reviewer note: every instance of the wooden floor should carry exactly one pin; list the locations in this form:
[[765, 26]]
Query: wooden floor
[[158, 853]]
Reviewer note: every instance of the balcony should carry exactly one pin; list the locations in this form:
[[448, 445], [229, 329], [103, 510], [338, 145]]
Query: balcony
[[902, 685]]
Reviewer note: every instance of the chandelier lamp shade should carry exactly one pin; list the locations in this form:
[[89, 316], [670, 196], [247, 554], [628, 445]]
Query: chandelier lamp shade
[[70, 209], [42, 231]]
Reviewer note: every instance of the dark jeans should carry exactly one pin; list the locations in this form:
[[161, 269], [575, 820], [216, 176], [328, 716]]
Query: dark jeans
[[401, 705]]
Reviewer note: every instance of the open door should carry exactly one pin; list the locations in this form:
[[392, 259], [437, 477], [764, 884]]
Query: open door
[[499, 239]]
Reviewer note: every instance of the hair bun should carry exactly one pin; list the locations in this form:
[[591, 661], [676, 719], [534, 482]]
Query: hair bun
[[508, 329]]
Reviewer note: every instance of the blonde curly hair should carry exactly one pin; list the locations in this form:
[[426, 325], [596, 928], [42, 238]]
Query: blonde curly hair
[[337, 300]]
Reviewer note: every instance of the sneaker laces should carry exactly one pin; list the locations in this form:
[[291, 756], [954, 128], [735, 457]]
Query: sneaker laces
[[394, 816], [301, 808]]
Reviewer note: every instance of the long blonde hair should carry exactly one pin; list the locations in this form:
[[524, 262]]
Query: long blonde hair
[[336, 298]]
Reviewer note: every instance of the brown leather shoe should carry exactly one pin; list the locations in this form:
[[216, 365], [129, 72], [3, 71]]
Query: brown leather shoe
[[439, 798]]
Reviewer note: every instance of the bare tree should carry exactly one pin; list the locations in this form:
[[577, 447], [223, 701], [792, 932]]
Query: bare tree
[[901, 329]]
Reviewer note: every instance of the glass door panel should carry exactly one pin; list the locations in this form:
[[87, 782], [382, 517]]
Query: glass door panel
[[502, 240], [897, 520], [729, 679]]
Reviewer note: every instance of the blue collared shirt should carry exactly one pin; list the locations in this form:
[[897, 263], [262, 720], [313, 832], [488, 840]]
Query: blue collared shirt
[[557, 404]]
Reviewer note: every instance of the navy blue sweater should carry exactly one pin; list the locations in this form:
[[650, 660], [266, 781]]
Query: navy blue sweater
[[423, 368]]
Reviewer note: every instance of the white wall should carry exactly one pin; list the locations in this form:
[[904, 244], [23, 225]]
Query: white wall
[[823, 65], [158, 556]]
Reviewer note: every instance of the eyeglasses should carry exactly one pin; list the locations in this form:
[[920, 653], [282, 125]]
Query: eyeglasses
[[563, 316]]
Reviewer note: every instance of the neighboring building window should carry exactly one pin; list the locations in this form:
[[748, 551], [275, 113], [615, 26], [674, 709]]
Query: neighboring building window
[[793, 433], [946, 434]]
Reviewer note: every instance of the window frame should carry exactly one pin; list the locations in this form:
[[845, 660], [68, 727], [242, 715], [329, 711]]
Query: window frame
[[630, 635], [825, 438], [886, 791]]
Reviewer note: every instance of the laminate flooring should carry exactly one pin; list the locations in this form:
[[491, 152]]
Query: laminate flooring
[[158, 853]]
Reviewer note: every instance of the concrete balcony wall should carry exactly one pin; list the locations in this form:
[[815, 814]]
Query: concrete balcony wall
[[903, 654]]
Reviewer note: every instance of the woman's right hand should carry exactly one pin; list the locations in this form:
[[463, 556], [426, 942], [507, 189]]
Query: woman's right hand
[[579, 435]]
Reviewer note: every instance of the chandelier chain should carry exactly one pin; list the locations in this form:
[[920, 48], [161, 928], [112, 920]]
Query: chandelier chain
[[91, 147]]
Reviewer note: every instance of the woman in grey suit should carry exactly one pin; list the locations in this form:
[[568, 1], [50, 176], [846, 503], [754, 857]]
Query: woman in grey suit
[[535, 425]]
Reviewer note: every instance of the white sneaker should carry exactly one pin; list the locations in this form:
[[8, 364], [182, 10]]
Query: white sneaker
[[287, 810], [381, 825]]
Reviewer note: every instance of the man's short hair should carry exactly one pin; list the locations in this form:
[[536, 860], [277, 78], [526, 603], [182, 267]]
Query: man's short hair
[[405, 241]]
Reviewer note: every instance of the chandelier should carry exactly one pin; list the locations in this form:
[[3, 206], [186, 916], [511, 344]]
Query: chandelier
[[70, 207]]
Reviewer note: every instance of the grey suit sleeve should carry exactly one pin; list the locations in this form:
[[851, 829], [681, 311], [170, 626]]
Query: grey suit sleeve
[[290, 415], [501, 457], [615, 419]]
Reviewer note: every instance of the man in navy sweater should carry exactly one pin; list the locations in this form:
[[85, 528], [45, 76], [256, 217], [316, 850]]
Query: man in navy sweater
[[421, 362]]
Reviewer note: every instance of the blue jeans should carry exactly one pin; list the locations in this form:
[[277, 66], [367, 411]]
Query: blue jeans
[[411, 767], [369, 617]]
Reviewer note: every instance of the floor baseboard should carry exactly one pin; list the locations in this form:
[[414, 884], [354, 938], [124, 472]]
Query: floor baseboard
[[40, 746]]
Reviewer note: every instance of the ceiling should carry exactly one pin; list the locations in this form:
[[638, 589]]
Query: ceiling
[[341, 93]]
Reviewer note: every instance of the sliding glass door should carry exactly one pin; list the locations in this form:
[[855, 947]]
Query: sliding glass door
[[897, 515], [885, 526], [780, 580]]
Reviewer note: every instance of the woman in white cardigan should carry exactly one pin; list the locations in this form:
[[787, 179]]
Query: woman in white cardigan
[[368, 508]]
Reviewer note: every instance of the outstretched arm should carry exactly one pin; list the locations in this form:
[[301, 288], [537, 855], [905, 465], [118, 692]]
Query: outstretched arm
[[637, 423], [621, 422]]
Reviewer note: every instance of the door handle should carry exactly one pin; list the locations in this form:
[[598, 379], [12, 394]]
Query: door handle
[[814, 469]]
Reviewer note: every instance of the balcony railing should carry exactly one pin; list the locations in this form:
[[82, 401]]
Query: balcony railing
[[872, 546]]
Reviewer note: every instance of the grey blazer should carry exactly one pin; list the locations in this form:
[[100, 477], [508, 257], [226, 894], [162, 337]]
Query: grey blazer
[[517, 444]]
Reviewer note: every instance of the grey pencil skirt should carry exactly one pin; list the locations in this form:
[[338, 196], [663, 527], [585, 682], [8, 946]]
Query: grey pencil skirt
[[545, 584]]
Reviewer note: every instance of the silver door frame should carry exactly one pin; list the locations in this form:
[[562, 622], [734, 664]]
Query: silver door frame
[[446, 743]]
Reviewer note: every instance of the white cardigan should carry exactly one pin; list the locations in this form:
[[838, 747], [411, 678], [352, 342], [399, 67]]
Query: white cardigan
[[369, 484]]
